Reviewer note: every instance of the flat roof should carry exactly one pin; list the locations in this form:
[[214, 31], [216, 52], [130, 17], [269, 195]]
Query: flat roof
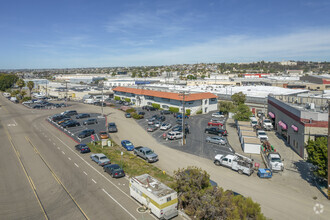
[[153, 185], [251, 140], [166, 95], [248, 133]]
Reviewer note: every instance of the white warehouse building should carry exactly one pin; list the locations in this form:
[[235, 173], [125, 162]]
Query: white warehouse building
[[203, 102]]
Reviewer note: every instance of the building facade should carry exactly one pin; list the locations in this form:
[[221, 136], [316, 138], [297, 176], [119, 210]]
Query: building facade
[[204, 102], [296, 124]]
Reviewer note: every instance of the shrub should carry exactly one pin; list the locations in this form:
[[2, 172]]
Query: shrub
[[131, 110], [117, 98], [26, 99], [136, 116], [199, 112], [155, 105], [173, 109], [188, 111], [127, 100]]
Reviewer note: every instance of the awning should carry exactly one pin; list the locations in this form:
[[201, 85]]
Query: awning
[[283, 125], [295, 128], [271, 114]]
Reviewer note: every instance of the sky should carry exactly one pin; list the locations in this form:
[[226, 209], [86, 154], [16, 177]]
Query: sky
[[109, 33]]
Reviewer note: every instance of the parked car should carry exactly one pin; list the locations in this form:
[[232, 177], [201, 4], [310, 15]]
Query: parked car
[[179, 128], [141, 113], [70, 113], [180, 116], [173, 135], [165, 112], [151, 121], [216, 130], [218, 115], [160, 118], [165, 126], [90, 121], [86, 133], [152, 128], [114, 170], [216, 140], [103, 135], [127, 145], [70, 123], [63, 120], [38, 106], [83, 115], [82, 148], [112, 127], [56, 118], [128, 115], [100, 159], [214, 122], [146, 153], [157, 124], [149, 108]]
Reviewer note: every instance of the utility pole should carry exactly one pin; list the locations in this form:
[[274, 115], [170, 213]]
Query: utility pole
[[66, 94], [102, 100], [183, 94], [328, 150]]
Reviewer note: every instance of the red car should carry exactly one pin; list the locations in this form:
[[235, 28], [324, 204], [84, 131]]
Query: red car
[[215, 123]]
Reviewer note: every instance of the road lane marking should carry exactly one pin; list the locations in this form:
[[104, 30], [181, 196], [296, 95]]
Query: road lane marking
[[57, 179], [58, 148], [76, 165], [63, 152], [27, 176], [85, 173], [69, 158], [94, 181], [54, 144], [118, 203]]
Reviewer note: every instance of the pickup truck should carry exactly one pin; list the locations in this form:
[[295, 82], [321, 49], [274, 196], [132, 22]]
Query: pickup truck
[[146, 154], [236, 162], [267, 124], [216, 130]]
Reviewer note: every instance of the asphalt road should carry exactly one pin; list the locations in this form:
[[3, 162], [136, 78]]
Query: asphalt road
[[43, 177], [195, 141]]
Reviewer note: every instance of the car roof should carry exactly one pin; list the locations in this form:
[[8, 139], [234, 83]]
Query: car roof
[[100, 155], [111, 123]]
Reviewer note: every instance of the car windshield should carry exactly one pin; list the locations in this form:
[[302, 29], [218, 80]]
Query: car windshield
[[148, 152], [103, 158], [276, 159], [129, 144], [267, 121], [262, 133], [102, 133]]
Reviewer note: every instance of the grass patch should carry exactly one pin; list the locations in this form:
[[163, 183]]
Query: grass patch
[[132, 165]]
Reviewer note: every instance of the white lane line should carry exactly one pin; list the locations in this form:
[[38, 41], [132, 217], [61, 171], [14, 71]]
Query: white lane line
[[69, 158], [85, 173], [230, 149], [49, 139], [118, 203], [58, 148], [54, 144], [63, 152], [88, 164], [94, 181], [76, 165]]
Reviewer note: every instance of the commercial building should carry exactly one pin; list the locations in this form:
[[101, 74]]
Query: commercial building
[[204, 102], [322, 81], [297, 123]]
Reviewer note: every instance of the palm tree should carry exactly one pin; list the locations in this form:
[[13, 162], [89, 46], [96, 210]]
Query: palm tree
[[20, 83], [30, 85]]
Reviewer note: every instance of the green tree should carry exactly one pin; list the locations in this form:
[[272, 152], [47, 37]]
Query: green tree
[[113, 74], [226, 106], [238, 98], [133, 74], [318, 155], [20, 83], [30, 85], [203, 76], [7, 81], [155, 105], [242, 113]]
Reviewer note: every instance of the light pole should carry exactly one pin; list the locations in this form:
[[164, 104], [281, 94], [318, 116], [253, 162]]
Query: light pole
[[183, 94]]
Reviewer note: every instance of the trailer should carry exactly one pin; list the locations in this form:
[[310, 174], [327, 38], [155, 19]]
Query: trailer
[[251, 145], [156, 196], [271, 158], [244, 134]]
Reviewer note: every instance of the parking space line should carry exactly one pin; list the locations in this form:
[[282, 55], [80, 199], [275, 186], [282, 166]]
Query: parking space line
[[76, 165], [54, 144], [85, 173], [94, 181]]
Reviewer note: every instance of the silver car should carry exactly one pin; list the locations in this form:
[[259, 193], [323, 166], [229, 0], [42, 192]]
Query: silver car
[[216, 140]]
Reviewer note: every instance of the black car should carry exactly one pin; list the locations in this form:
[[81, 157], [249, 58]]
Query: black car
[[56, 118], [83, 148], [165, 112], [141, 113], [114, 170], [179, 129], [86, 133], [38, 106], [83, 115], [149, 108], [216, 130], [112, 127], [71, 123], [70, 112], [128, 115]]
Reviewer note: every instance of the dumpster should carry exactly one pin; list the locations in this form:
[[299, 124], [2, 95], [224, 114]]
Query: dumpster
[[264, 173]]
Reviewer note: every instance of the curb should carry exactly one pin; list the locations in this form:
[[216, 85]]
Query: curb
[[62, 131]]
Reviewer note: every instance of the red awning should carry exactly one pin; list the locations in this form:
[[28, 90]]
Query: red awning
[[295, 128], [283, 125], [271, 114]]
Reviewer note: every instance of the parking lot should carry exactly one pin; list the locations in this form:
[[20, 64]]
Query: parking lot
[[74, 131], [196, 139]]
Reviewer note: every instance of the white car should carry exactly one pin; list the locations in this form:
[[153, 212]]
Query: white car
[[165, 126], [172, 135], [217, 115], [27, 102], [157, 124]]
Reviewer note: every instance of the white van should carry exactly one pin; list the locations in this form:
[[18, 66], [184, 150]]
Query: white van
[[254, 121]]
